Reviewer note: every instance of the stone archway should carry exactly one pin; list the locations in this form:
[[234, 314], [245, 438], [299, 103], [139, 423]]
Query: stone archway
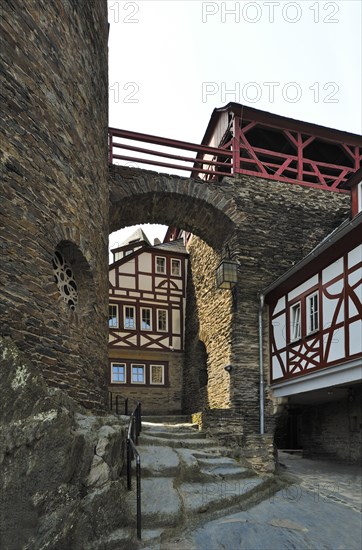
[[208, 211], [205, 209], [268, 226]]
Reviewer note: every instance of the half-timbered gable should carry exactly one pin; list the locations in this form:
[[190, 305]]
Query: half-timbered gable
[[315, 320], [147, 291], [316, 316]]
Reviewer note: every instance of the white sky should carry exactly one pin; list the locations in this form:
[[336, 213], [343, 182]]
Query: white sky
[[171, 62]]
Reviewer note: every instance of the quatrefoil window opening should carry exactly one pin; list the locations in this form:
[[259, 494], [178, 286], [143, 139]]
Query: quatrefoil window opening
[[65, 282]]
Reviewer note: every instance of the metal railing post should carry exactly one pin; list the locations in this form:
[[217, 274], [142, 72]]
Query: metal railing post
[[110, 146], [132, 437], [129, 465], [139, 418], [139, 517]]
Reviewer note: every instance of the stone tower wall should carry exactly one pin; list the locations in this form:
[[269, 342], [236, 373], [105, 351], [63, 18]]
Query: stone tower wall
[[54, 190]]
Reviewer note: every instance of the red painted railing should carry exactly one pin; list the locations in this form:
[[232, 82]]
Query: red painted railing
[[238, 156], [213, 161]]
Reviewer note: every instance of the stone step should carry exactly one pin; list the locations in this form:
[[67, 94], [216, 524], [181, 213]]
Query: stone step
[[158, 461], [225, 472], [167, 419], [223, 467], [206, 460], [161, 503], [126, 539], [121, 538], [217, 495], [190, 443], [216, 452], [159, 432]]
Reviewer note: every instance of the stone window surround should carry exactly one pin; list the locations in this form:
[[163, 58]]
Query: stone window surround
[[65, 280], [83, 277]]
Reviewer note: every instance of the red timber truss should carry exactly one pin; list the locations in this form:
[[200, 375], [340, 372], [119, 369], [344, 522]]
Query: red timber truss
[[253, 143], [292, 156]]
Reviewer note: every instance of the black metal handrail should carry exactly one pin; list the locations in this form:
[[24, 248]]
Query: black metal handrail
[[134, 429], [116, 400]]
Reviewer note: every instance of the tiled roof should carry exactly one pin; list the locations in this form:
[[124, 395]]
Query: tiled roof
[[172, 246]]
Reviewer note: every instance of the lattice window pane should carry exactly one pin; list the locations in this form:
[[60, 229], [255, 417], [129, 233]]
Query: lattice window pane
[[157, 374]]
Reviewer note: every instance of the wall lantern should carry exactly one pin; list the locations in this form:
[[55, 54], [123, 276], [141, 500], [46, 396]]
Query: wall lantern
[[227, 272]]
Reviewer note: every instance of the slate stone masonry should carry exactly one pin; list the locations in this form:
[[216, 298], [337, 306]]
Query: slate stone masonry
[[281, 223], [54, 193]]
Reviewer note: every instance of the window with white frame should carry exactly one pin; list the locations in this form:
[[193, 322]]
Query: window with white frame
[[312, 313], [137, 374], [359, 196], [129, 317], [157, 374], [118, 373], [176, 267], [112, 316], [295, 322], [160, 264], [146, 318], [162, 320]]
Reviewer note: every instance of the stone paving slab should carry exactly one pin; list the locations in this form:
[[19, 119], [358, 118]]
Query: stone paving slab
[[320, 511], [328, 480], [284, 522]]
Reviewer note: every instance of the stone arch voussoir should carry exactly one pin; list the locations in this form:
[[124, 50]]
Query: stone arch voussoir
[[140, 196]]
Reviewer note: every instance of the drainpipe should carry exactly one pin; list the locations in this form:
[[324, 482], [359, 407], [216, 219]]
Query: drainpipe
[[261, 366]]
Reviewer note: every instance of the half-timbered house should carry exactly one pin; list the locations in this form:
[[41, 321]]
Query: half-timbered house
[[316, 343], [147, 286]]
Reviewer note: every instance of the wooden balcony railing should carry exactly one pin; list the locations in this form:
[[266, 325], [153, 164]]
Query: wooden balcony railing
[[208, 161]]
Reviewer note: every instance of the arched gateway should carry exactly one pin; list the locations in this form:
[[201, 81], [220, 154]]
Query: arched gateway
[[265, 190]]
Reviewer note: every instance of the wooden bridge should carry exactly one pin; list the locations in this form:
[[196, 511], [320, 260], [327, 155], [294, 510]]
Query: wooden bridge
[[249, 142]]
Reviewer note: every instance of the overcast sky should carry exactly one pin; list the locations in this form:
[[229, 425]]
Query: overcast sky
[[171, 62]]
